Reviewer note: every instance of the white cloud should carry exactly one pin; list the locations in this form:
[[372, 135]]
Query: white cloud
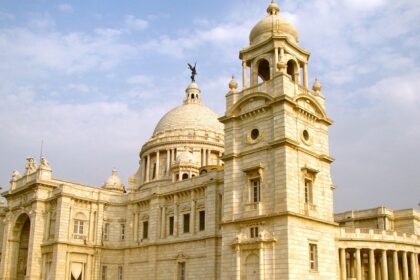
[[134, 23], [65, 7]]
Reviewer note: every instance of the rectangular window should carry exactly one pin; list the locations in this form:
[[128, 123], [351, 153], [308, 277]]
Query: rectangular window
[[106, 231], [104, 272], [313, 257], [202, 220], [181, 271], [120, 273], [122, 231], [254, 232], [78, 230], [186, 223], [145, 229], [308, 191], [171, 225], [255, 190]]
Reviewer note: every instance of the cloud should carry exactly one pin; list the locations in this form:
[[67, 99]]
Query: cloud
[[133, 23], [65, 7]]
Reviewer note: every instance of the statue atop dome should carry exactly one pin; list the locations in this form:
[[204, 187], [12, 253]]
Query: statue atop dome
[[193, 71]]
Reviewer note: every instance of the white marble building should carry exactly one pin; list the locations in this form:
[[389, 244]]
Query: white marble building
[[248, 195]]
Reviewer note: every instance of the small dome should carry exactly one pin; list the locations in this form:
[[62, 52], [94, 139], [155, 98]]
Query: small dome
[[273, 24], [114, 182], [233, 84], [185, 158], [190, 115]]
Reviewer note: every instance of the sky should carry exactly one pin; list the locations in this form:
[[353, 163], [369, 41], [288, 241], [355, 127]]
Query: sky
[[90, 79]]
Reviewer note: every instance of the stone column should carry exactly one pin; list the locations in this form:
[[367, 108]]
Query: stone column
[[148, 169], [395, 264], [414, 265], [262, 266], [305, 75], [238, 263], [168, 162], [351, 260], [91, 225], [176, 214], [371, 264], [276, 56], [358, 265], [208, 157], [162, 222], [141, 170], [405, 265], [157, 165], [384, 266], [343, 260], [193, 206], [47, 225], [244, 78], [219, 162], [136, 226]]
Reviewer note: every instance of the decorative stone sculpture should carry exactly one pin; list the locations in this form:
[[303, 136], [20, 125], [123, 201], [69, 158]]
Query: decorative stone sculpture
[[30, 166]]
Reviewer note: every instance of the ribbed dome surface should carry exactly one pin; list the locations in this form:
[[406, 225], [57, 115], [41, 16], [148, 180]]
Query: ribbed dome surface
[[189, 116], [273, 24]]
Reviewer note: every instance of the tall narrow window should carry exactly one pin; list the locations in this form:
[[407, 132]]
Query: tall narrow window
[[186, 223], [145, 229], [202, 220], [313, 257], [308, 191], [253, 232], [104, 272], [171, 225], [255, 190], [122, 232], [79, 229], [181, 271], [120, 273], [106, 231]]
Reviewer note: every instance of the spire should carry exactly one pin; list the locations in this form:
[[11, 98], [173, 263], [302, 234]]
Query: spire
[[273, 8]]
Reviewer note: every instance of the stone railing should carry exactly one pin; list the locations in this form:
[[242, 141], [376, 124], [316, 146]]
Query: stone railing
[[376, 234]]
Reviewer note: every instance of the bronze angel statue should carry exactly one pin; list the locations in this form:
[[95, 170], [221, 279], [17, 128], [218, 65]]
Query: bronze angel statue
[[193, 71]]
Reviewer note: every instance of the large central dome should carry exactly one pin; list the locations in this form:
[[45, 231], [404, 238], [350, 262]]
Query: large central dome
[[189, 116], [192, 114]]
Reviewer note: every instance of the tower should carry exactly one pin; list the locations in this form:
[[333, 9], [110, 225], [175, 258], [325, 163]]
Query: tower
[[278, 194]]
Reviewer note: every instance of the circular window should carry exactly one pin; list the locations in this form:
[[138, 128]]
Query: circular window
[[305, 135], [255, 133]]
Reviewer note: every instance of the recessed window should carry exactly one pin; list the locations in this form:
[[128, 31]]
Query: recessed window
[[120, 273], [305, 135], [313, 257], [145, 229], [308, 191], [255, 133], [104, 272], [78, 229], [122, 232], [255, 190], [106, 231], [253, 231], [202, 220], [181, 271], [171, 225], [186, 223]]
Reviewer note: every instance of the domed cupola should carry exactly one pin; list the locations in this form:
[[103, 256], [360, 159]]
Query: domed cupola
[[185, 166], [273, 24], [191, 125], [113, 183]]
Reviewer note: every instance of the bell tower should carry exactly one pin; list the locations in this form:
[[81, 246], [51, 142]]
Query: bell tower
[[278, 193]]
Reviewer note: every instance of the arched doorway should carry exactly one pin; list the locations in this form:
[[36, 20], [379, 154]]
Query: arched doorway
[[252, 267], [22, 229]]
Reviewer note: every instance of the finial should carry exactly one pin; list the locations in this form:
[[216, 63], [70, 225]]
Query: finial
[[273, 8], [317, 86], [193, 71], [114, 171], [233, 84]]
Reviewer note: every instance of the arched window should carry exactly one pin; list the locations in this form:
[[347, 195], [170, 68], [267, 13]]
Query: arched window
[[184, 176], [263, 70], [292, 70]]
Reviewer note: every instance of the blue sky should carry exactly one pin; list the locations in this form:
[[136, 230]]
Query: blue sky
[[92, 78]]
